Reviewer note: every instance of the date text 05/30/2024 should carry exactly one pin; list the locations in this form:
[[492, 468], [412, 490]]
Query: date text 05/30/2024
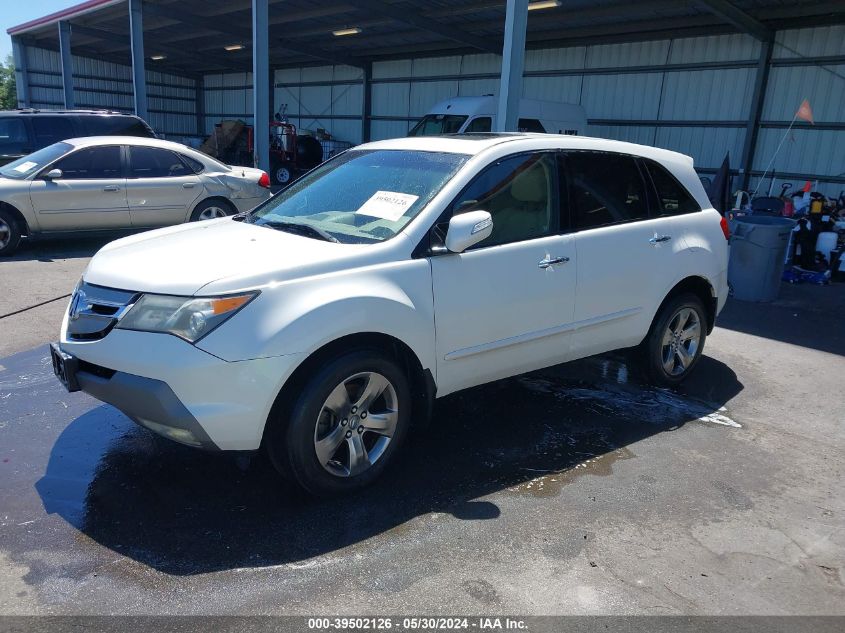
[[417, 624]]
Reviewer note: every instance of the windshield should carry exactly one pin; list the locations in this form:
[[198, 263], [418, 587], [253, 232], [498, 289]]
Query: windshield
[[28, 165], [361, 196], [434, 124]]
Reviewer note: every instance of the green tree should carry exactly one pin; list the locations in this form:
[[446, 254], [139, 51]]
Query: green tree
[[8, 89]]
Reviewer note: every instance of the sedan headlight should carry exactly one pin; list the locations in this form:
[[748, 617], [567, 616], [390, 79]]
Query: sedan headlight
[[189, 318]]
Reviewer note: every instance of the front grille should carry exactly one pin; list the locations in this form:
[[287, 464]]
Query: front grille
[[95, 310]]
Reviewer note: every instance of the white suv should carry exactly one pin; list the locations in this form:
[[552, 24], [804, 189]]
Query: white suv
[[324, 323]]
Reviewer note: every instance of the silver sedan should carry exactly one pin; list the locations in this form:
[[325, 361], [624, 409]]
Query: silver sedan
[[103, 183]]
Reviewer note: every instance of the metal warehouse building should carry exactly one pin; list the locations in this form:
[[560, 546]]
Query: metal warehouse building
[[703, 77]]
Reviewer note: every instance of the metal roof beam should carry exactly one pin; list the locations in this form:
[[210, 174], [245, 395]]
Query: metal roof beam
[[407, 16], [173, 53], [738, 18], [215, 24]]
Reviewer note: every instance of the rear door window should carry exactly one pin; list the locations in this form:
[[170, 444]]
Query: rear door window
[[154, 162], [605, 188], [92, 163], [13, 138], [672, 197], [52, 129]]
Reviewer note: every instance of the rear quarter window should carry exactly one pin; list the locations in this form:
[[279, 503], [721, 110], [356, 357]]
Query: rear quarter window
[[672, 197], [117, 125]]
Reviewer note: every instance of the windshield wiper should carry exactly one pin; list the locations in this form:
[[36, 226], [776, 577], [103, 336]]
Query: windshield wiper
[[299, 228]]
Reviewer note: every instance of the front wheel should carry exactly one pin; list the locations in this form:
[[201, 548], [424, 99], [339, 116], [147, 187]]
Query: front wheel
[[10, 233], [676, 339], [348, 422]]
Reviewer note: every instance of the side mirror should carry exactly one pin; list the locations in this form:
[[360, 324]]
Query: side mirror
[[468, 229], [53, 174]]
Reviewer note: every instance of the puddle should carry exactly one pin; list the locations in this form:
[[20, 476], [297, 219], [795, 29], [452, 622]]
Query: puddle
[[649, 404], [550, 484]]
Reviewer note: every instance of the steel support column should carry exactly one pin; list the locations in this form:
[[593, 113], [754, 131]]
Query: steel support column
[[67, 63], [22, 65], [139, 78], [758, 98], [367, 103], [513, 62], [261, 83]]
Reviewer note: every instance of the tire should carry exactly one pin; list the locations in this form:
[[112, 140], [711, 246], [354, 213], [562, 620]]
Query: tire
[[674, 344], [314, 443], [10, 233], [282, 174], [212, 209]]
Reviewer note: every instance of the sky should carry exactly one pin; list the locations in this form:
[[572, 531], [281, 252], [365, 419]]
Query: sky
[[16, 12]]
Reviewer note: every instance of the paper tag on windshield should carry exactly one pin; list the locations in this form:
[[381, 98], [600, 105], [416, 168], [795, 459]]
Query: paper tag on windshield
[[24, 167], [388, 205]]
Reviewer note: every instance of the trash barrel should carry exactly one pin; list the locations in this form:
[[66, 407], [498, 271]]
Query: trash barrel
[[758, 249]]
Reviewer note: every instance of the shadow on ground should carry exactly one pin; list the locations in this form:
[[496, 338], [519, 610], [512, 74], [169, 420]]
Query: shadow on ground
[[72, 247], [807, 315], [182, 511]]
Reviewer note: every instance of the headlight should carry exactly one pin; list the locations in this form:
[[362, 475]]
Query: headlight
[[189, 318]]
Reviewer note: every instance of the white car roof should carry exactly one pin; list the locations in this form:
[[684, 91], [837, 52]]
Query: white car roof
[[473, 144]]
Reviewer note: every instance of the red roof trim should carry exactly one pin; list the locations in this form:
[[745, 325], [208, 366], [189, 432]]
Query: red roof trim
[[79, 9]]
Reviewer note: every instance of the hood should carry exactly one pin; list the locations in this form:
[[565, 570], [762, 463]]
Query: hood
[[225, 255]]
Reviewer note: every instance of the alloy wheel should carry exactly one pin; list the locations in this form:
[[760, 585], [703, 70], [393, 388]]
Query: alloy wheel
[[212, 213], [355, 424], [681, 341], [5, 233]]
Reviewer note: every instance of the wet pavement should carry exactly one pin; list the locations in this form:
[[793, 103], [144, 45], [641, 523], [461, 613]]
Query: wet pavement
[[576, 489]]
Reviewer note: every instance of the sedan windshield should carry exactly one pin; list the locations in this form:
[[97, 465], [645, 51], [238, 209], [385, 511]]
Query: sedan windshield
[[28, 165], [435, 124], [362, 196]]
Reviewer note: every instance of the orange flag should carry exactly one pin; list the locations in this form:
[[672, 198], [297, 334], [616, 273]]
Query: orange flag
[[805, 113]]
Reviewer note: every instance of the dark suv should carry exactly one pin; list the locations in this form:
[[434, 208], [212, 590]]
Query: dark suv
[[25, 131]]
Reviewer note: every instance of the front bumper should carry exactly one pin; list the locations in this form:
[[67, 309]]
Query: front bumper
[[179, 391]]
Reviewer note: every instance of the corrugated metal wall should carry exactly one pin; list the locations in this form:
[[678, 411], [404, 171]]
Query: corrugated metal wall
[[692, 95], [100, 84]]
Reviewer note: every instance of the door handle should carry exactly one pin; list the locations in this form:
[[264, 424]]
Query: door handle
[[548, 261], [111, 188], [657, 239], [188, 185]]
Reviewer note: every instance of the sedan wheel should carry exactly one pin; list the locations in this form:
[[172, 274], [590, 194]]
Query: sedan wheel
[[356, 424], [10, 233], [211, 213], [5, 234]]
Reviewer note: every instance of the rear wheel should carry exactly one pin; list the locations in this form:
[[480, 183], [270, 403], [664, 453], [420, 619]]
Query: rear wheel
[[676, 339], [346, 425], [211, 210], [10, 233]]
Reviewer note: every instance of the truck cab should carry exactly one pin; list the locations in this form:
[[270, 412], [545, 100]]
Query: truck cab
[[459, 115]]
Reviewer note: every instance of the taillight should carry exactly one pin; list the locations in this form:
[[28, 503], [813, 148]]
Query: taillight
[[725, 229], [264, 181]]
